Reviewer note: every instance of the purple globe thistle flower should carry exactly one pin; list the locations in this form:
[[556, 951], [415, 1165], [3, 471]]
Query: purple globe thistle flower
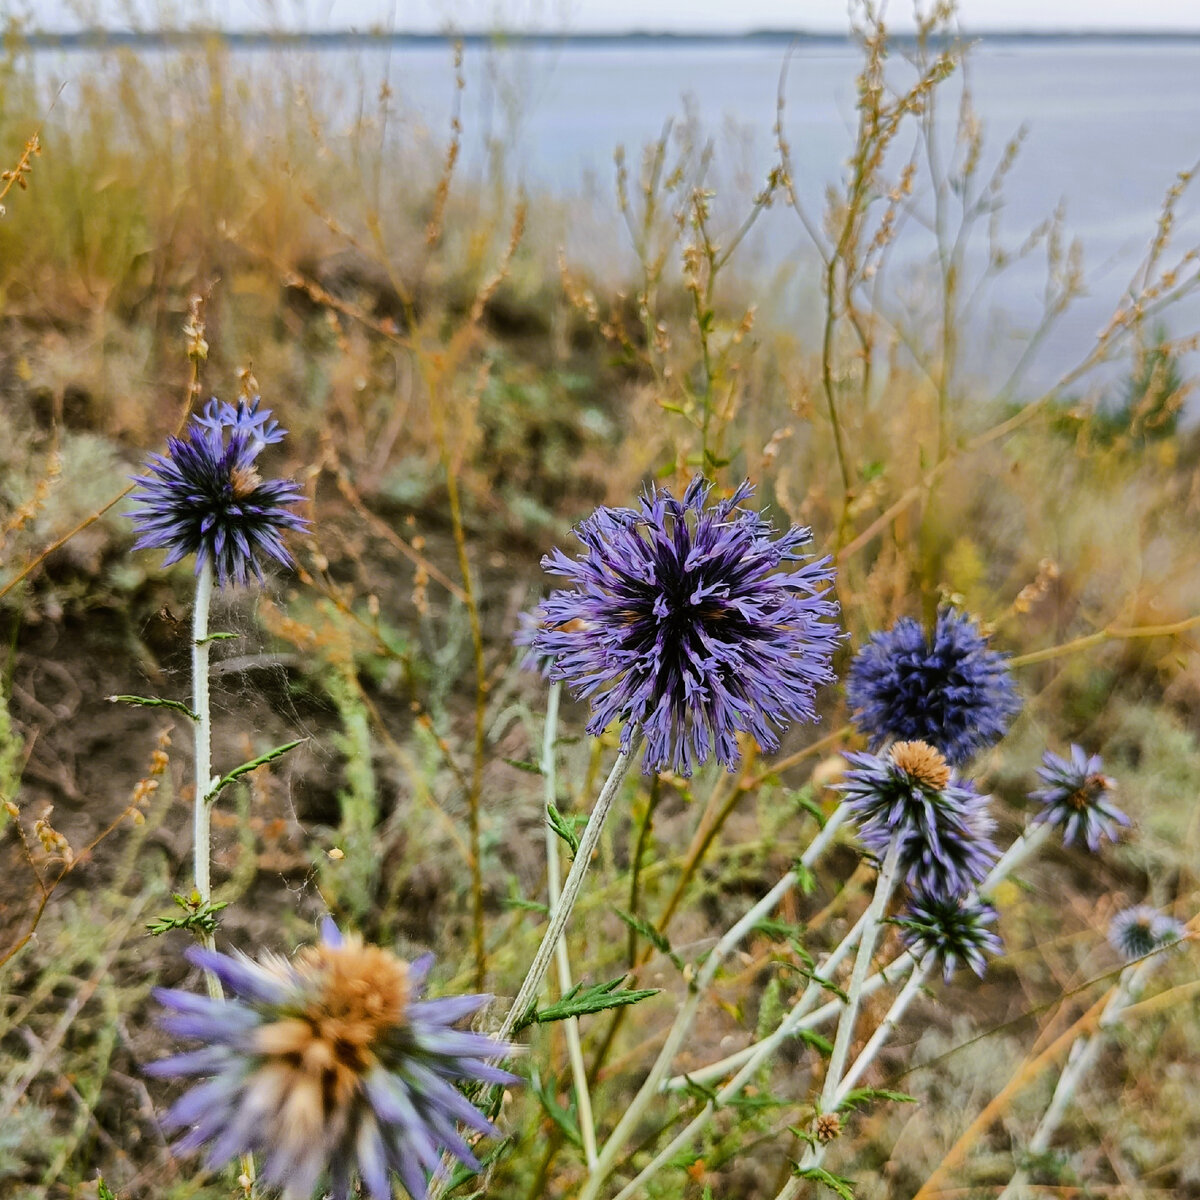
[[947, 689], [1135, 932], [679, 624], [951, 929], [1076, 798], [328, 1065], [908, 795], [206, 497]]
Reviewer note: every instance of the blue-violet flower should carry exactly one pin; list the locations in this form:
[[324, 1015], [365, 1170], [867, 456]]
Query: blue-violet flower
[[1076, 798], [1140, 930], [328, 1065], [943, 827], [206, 497], [679, 623], [953, 929], [947, 689]]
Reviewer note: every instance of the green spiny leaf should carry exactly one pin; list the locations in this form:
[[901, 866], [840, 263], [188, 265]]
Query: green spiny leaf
[[197, 914], [804, 799], [810, 1037], [563, 828], [701, 1091], [843, 1187], [155, 702], [530, 768], [555, 1111], [861, 1096], [247, 767], [580, 1001], [656, 939], [806, 879], [462, 1172]]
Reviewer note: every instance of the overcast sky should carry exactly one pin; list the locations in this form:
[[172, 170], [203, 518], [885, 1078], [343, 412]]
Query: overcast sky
[[603, 15]]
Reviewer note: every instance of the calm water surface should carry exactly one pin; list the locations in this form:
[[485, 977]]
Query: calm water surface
[[1110, 124]]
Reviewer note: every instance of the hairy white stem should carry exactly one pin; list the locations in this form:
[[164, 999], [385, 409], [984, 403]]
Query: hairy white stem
[[801, 1018], [1079, 1061], [583, 1098], [687, 1013], [858, 976], [1028, 843], [203, 731], [205, 781], [882, 1032], [561, 912], [202, 805], [841, 1046]]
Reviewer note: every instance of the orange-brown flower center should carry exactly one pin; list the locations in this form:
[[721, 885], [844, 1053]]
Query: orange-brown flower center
[[358, 993], [923, 763], [1092, 788]]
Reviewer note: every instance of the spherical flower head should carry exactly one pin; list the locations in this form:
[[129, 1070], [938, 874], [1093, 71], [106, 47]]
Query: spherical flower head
[[946, 688], [1076, 798], [950, 930], [908, 795], [328, 1065], [680, 622], [1135, 932], [205, 495]]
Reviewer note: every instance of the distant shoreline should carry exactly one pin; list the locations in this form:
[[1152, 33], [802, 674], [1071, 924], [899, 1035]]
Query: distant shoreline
[[96, 39]]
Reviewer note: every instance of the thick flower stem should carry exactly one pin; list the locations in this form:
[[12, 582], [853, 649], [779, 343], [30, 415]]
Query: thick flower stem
[[803, 1016], [750, 1065], [650, 1088], [583, 1099], [683, 1023], [561, 913], [1079, 1061], [858, 976], [202, 806], [883, 1031], [841, 1045]]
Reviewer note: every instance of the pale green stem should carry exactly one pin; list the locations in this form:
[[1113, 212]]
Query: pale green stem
[[858, 976], [1079, 1061], [687, 1014], [882, 1032], [750, 1060], [561, 912], [801, 1017], [205, 782], [202, 807], [815, 1154], [203, 731], [583, 1098]]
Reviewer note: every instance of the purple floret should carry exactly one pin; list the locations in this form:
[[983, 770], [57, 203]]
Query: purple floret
[[947, 689], [944, 833], [205, 496], [680, 622], [952, 929], [1077, 798], [328, 1065]]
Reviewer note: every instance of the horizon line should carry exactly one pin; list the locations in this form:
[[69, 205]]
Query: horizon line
[[98, 36]]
